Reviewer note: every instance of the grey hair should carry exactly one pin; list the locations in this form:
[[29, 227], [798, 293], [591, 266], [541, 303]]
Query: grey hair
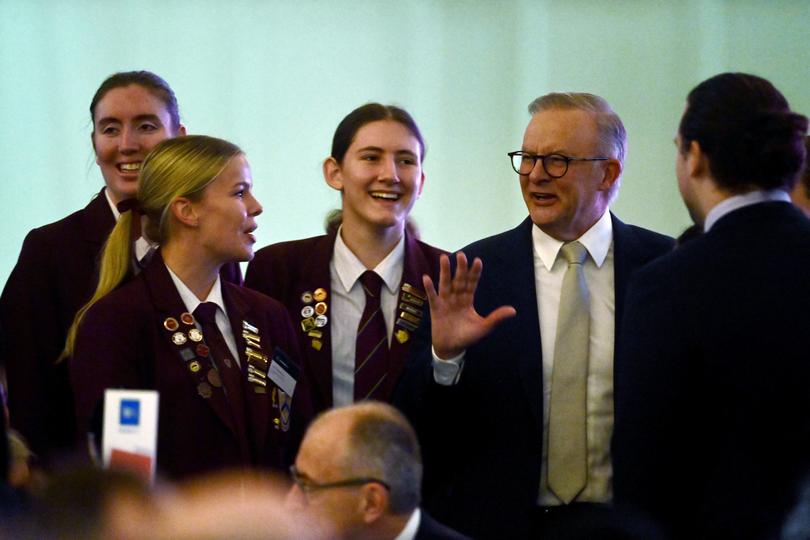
[[382, 444], [612, 135]]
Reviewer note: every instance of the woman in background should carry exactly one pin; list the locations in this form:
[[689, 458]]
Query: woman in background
[[356, 292], [205, 345]]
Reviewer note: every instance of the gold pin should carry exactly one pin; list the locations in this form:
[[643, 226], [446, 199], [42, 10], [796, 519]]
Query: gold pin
[[410, 309], [251, 342], [195, 335], [259, 390], [194, 366], [319, 295], [251, 335], [187, 318], [214, 378], [402, 335], [255, 372], [255, 356], [256, 380], [408, 288], [204, 389], [411, 299], [179, 338], [410, 318], [317, 344], [320, 308], [306, 297], [317, 334], [308, 324], [170, 324]]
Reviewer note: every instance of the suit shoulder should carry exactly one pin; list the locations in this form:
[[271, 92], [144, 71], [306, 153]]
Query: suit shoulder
[[56, 232], [496, 243], [432, 253], [654, 240]]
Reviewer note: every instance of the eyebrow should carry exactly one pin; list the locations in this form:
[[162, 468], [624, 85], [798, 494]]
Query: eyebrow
[[378, 149], [138, 118]]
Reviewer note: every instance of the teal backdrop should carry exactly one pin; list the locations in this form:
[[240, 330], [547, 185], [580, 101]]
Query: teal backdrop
[[277, 76]]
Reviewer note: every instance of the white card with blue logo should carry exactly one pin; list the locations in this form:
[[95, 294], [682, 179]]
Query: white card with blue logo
[[129, 438]]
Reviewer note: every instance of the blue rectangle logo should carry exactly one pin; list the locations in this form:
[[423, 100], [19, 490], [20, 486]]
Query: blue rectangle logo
[[130, 412]]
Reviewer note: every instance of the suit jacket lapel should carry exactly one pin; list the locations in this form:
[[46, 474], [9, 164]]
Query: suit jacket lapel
[[515, 285], [414, 266], [168, 303], [315, 275], [258, 404]]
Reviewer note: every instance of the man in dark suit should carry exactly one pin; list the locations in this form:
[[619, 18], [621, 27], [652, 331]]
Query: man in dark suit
[[360, 469], [485, 403], [712, 432]]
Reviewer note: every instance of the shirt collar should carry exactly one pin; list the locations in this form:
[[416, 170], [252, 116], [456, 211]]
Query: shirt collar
[[409, 532], [739, 201], [114, 208], [190, 299], [349, 268], [596, 240]]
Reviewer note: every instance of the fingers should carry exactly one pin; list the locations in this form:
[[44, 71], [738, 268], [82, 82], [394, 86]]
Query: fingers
[[444, 276], [499, 315], [430, 290]]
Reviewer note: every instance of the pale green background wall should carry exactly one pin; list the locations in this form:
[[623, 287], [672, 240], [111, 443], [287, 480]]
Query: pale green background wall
[[277, 76]]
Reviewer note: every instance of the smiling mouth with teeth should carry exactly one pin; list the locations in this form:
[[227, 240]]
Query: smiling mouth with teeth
[[386, 196], [129, 167]]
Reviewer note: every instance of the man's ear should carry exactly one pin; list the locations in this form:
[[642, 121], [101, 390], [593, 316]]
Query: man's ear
[[373, 502], [697, 164], [332, 173], [184, 212], [181, 131], [613, 170]]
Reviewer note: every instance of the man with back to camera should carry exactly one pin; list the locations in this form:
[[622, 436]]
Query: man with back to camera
[[516, 429], [712, 433], [360, 469]]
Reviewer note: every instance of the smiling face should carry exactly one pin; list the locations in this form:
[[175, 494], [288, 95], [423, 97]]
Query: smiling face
[[380, 176], [226, 214], [565, 208], [127, 123]]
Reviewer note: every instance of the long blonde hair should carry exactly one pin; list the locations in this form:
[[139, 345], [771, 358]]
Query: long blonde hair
[[179, 167]]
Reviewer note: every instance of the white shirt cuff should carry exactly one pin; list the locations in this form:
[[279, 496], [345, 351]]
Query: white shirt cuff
[[447, 372]]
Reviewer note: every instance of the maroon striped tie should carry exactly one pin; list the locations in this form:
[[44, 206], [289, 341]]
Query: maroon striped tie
[[371, 353], [230, 374]]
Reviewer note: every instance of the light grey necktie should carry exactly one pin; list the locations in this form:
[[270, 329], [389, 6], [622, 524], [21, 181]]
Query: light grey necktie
[[567, 439]]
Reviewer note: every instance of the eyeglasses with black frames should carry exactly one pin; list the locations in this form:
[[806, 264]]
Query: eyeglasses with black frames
[[555, 165], [307, 486]]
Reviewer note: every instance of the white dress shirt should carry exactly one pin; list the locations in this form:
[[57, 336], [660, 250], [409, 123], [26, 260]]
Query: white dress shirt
[[549, 270], [221, 317], [738, 201], [412, 527], [346, 309]]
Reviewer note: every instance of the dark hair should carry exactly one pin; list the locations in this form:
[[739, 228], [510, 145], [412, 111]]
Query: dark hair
[[805, 177], [148, 80], [746, 128], [371, 112]]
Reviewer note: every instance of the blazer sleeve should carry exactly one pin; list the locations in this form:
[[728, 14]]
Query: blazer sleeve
[[34, 338]]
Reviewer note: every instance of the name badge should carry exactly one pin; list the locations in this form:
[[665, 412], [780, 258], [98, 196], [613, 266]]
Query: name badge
[[283, 372]]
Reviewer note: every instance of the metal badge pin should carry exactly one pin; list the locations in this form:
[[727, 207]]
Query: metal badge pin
[[410, 309], [308, 324], [411, 299], [204, 389], [249, 327], [187, 318], [317, 344], [402, 335], [307, 311], [410, 318], [203, 350], [171, 324], [408, 288], [194, 366], [306, 297], [179, 338], [195, 335], [319, 295], [321, 320], [214, 378], [317, 334], [321, 308], [407, 325]]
